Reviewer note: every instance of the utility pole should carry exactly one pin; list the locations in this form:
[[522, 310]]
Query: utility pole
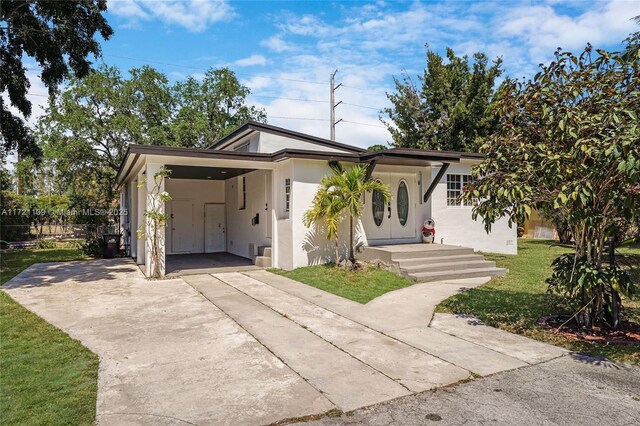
[[333, 105]]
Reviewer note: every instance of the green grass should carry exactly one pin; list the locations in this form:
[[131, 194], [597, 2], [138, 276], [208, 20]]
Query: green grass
[[46, 377], [516, 301], [15, 261], [360, 286]]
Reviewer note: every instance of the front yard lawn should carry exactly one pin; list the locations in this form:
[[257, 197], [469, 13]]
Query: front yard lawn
[[361, 286], [12, 262], [46, 377], [516, 301]]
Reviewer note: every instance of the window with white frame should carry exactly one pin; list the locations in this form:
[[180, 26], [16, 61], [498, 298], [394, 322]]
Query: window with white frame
[[242, 193], [287, 194], [455, 186]]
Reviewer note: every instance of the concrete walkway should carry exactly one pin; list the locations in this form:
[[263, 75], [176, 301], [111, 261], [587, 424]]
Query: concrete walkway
[[255, 347], [405, 315]]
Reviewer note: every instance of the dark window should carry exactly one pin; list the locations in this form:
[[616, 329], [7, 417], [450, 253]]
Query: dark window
[[242, 193], [402, 203], [377, 207], [287, 194]]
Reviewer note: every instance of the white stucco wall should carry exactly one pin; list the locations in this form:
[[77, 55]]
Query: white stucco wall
[[268, 142], [455, 226], [309, 245], [240, 231], [282, 248], [199, 192]]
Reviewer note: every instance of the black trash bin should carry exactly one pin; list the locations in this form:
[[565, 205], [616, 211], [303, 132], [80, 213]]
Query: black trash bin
[[110, 245]]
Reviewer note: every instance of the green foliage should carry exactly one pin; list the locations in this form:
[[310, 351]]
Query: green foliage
[[568, 141], [59, 36], [448, 108], [341, 193], [46, 243], [88, 126], [377, 147], [211, 108], [632, 49], [517, 301]]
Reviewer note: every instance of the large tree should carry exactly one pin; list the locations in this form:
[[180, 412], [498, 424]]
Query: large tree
[[210, 108], [87, 127], [59, 36], [569, 140], [89, 124], [448, 107]]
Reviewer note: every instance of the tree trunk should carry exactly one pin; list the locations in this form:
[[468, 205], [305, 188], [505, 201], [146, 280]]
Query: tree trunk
[[337, 254], [351, 255]]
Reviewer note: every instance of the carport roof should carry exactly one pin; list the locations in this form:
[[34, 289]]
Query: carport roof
[[394, 156]]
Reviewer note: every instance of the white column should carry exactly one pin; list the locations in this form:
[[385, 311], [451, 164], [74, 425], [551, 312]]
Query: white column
[[133, 217], [141, 190], [154, 204]]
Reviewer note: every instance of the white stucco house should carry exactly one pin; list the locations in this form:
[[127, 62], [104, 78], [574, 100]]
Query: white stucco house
[[250, 190]]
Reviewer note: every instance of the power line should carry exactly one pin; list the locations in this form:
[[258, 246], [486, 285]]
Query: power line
[[297, 118], [364, 124], [361, 106], [289, 99]]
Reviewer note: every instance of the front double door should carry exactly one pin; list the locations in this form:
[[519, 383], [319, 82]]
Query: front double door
[[395, 219]]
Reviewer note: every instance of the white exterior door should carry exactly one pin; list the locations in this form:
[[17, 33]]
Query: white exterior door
[[182, 236], [394, 220], [214, 228], [377, 214]]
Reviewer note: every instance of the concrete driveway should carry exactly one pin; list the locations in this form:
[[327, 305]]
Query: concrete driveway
[[254, 347]]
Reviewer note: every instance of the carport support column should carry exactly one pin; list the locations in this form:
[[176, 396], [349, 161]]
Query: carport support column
[[154, 203], [133, 218], [141, 205]]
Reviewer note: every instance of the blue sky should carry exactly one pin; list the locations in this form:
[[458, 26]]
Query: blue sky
[[284, 51]]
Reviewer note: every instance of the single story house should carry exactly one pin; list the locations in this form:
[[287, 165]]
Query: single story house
[[249, 191]]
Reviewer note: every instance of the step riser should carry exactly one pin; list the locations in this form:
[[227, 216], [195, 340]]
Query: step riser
[[448, 266], [263, 261], [431, 254], [458, 275], [441, 259]]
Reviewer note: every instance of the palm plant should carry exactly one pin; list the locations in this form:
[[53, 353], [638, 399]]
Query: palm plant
[[339, 193]]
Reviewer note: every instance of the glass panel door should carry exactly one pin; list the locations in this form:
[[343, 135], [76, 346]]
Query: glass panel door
[[402, 203], [377, 207]]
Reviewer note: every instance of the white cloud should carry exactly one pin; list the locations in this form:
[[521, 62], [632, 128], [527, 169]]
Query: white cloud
[[193, 15], [277, 44], [251, 61]]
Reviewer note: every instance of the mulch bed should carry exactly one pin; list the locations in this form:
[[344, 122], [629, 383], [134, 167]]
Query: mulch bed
[[627, 335]]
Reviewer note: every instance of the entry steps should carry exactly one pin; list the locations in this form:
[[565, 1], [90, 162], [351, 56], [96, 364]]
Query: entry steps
[[431, 262], [263, 259]]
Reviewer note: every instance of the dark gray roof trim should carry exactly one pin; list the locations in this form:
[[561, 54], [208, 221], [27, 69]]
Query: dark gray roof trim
[[252, 126], [394, 156]]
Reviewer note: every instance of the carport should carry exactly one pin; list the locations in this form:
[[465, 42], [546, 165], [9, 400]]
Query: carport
[[219, 215]]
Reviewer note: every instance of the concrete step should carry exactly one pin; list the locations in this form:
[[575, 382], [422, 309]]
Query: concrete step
[[430, 253], [425, 277], [264, 251], [427, 266], [263, 261], [440, 259]]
